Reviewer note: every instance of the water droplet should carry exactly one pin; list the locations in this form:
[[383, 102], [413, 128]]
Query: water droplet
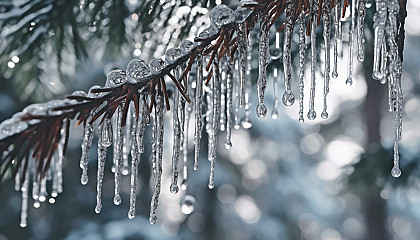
[[246, 124], [174, 189], [98, 208], [156, 65], [131, 214], [228, 144], [137, 71], [172, 54], [221, 15], [84, 179], [187, 204], [368, 3], [117, 199], [186, 47], [261, 110], [377, 75], [334, 74], [396, 172], [115, 78], [301, 119], [211, 185], [349, 82], [275, 114], [311, 114], [324, 115], [288, 98]]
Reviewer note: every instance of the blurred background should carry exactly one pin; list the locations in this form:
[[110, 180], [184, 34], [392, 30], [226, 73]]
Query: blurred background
[[322, 179]]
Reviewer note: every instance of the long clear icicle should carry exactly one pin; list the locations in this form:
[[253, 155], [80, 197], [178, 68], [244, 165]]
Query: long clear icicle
[[176, 112], [198, 110], [119, 156], [327, 41], [302, 49], [337, 35], [349, 80], [288, 96], [101, 165], [314, 17], [246, 122], [223, 67], [229, 100], [394, 69], [86, 145], [145, 116], [215, 121], [60, 158], [262, 66], [184, 182], [361, 13], [158, 132], [379, 27], [236, 86], [125, 168], [135, 158], [24, 211], [242, 51], [275, 56]]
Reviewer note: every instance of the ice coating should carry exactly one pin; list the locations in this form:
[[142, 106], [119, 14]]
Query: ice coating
[[137, 71], [157, 65], [221, 15], [115, 78]]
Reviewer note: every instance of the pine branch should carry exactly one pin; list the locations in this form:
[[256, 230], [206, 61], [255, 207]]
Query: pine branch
[[38, 132]]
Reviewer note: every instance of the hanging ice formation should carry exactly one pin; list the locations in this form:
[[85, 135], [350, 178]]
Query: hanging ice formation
[[134, 98]]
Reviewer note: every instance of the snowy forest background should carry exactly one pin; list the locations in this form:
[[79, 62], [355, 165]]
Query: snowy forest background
[[322, 179]]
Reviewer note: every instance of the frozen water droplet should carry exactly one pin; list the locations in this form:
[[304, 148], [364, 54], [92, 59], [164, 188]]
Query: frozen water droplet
[[206, 33], [221, 15], [241, 14], [131, 214], [137, 71], [184, 184], [275, 53], [187, 204], [211, 185], [115, 78], [98, 208], [117, 199], [246, 124], [156, 65], [301, 119], [174, 189], [261, 110], [84, 178], [288, 98], [228, 144], [186, 47], [94, 95], [377, 75], [172, 54], [275, 114], [311, 114], [368, 3], [324, 115], [349, 82], [334, 73], [396, 172]]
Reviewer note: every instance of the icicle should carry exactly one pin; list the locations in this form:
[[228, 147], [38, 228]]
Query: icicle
[[177, 140], [35, 188], [275, 54], [288, 97], [223, 68], [383, 70], [361, 13], [242, 49], [24, 212], [59, 163], [215, 121], [101, 164], [327, 42], [159, 150], [145, 119], [262, 66], [209, 117], [119, 155], [17, 181], [198, 110], [349, 80], [43, 190], [135, 158], [337, 35], [125, 168], [246, 123], [379, 26], [237, 87], [229, 87], [185, 148], [106, 135], [314, 17], [86, 145], [302, 49]]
